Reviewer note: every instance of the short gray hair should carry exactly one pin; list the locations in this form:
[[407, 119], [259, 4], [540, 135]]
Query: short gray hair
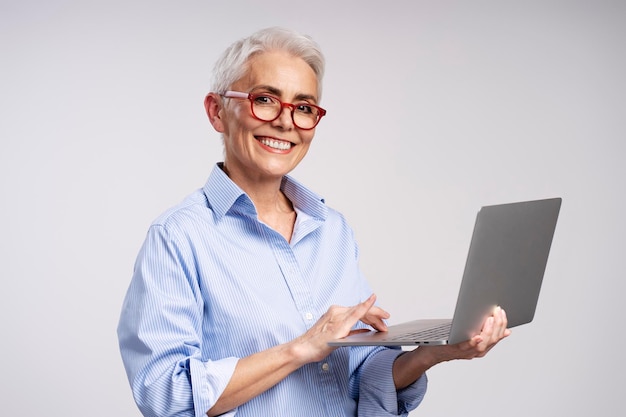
[[232, 64]]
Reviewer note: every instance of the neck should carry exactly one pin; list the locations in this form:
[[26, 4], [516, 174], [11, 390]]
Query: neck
[[264, 192]]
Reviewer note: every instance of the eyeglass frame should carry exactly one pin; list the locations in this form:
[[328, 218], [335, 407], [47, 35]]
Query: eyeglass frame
[[291, 106]]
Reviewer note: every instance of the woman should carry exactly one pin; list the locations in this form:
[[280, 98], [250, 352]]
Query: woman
[[236, 291]]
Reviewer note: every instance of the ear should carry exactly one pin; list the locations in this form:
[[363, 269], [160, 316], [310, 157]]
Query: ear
[[213, 105]]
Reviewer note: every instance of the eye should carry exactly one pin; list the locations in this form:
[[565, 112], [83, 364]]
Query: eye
[[305, 108], [265, 100]]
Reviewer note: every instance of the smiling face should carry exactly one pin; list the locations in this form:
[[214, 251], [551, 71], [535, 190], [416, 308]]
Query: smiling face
[[265, 151]]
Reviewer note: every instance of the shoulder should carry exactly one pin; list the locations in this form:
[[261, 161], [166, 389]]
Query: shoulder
[[189, 211], [337, 217]]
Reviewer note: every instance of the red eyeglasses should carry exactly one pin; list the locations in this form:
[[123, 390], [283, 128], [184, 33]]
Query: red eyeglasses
[[268, 108]]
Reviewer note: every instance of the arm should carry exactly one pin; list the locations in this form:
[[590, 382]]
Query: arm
[[411, 365], [259, 372], [169, 359], [160, 335], [160, 331]]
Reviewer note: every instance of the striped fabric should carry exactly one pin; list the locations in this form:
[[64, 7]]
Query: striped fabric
[[213, 284]]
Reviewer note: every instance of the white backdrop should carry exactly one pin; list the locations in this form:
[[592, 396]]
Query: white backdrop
[[435, 108]]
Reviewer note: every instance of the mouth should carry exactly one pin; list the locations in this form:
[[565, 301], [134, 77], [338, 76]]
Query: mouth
[[275, 144]]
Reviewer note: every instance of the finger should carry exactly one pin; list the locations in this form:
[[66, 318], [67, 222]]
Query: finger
[[486, 333], [488, 326], [493, 331], [339, 320], [505, 324], [475, 341], [367, 304], [375, 317], [501, 323], [357, 331], [378, 312], [375, 321], [358, 311]]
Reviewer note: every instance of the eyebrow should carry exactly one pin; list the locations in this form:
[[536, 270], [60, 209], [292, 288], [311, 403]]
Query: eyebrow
[[275, 91]]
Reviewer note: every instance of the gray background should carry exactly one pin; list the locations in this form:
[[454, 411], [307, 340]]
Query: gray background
[[434, 109]]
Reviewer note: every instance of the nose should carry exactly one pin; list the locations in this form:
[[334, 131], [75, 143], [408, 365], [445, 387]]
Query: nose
[[285, 119]]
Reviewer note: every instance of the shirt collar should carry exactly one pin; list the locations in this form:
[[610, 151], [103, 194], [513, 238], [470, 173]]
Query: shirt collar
[[224, 195]]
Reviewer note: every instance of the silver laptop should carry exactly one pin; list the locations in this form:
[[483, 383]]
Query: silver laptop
[[505, 267]]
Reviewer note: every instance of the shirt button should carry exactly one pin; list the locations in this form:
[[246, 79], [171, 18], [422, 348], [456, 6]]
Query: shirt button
[[308, 316], [325, 367]]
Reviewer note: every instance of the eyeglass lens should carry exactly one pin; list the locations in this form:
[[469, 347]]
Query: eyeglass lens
[[268, 108]]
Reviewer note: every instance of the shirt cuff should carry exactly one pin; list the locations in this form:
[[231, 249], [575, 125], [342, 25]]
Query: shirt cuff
[[378, 395], [208, 382]]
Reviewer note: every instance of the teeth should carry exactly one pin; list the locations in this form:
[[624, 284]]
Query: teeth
[[276, 144]]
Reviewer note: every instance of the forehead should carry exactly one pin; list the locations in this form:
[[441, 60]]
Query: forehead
[[288, 74]]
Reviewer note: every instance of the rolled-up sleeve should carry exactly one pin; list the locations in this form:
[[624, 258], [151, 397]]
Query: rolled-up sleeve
[[160, 334], [377, 394]]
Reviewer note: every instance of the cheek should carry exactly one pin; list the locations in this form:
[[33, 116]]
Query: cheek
[[307, 137], [236, 120], [239, 126], [305, 145]]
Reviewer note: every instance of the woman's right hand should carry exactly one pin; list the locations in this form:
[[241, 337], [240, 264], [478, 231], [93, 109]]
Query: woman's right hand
[[257, 373], [337, 323]]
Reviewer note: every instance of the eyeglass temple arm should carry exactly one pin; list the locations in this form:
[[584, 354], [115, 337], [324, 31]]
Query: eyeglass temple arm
[[235, 94]]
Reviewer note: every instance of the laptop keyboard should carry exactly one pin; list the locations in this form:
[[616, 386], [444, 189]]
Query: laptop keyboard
[[440, 332]]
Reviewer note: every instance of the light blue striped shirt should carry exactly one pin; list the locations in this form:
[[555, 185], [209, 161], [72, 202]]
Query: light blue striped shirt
[[213, 284]]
